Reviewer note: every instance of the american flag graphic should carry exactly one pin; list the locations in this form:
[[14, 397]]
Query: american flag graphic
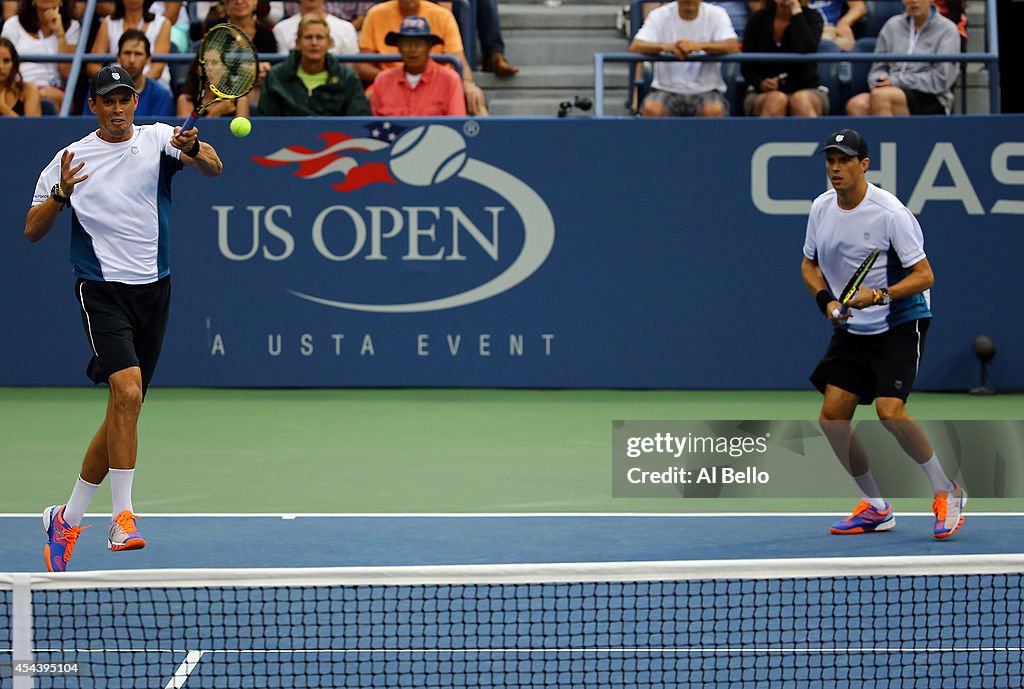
[[360, 160]]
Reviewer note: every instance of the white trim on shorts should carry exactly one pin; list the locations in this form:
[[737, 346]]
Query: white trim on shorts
[[917, 360], [88, 320]]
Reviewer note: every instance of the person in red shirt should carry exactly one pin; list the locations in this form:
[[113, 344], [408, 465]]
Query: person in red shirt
[[419, 87]]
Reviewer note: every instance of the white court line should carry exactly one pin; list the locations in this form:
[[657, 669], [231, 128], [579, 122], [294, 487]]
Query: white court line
[[181, 675], [482, 515]]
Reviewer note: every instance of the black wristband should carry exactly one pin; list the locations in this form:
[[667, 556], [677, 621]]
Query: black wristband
[[824, 298], [194, 151]]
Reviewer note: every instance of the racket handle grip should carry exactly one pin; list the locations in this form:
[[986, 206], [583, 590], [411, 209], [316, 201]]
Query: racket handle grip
[[844, 309], [190, 122]]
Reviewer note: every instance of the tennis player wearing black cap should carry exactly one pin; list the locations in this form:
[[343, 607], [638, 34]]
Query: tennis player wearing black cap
[[876, 346], [116, 180]]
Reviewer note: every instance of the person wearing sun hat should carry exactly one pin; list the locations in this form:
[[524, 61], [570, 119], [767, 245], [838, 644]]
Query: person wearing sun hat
[[387, 16], [419, 87]]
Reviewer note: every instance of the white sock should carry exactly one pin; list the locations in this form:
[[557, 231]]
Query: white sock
[[121, 490], [937, 475], [869, 489], [79, 501]]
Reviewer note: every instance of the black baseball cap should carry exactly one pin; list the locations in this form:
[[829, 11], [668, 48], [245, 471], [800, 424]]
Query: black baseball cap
[[848, 141], [110, 78]]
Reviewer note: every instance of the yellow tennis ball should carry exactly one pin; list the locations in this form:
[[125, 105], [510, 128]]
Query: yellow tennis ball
[[241, 126]]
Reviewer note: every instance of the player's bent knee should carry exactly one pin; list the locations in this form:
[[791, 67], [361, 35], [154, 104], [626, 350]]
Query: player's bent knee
[[833, 417], [890, 409], [126, 390]]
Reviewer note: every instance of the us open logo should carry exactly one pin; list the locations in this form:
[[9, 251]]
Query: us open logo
[[425, 156]]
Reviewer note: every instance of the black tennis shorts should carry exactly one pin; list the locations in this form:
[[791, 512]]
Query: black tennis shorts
[[125, 326], [870, 366]]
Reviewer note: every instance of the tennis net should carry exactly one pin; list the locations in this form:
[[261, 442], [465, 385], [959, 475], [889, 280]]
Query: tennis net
[[949, 621]]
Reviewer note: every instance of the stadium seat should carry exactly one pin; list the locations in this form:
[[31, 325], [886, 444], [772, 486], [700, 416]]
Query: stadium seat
[[178, 71], [837, 76], [48, 108], [735, 86], [879, 12], [859, 83]]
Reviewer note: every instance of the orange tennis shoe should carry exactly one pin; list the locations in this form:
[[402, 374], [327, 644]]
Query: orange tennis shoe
[[948, 507], [124, 533]]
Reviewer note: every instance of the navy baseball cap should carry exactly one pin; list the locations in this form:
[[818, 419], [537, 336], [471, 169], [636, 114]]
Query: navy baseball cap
[[110, 78], [413, 27], [847, 141]]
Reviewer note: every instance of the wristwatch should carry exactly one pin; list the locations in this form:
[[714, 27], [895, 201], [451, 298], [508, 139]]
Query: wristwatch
[[882, 296], [57, 195]]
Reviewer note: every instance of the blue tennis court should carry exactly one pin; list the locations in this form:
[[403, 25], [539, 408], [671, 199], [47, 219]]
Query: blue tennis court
[[341, 541]]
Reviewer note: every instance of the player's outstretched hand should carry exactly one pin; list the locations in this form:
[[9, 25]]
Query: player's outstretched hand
[[69, 174]]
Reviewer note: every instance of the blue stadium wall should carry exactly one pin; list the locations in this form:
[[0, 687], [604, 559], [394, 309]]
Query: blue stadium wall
[[526, 253]]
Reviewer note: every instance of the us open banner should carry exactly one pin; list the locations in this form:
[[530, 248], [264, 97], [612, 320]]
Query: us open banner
[[526, 253]]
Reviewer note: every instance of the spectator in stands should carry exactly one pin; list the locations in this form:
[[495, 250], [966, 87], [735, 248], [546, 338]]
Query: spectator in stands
[[419, 87], [344, 39], [911, 88], [103, 9], [133, 53], [387, 16], [17, 96], [190, 94], [134, 14], [242, 13], [492, 43], [778, 89], [353, 12], [312, 81], [683, 89], [171, 10], [840, 17], [44, 27]]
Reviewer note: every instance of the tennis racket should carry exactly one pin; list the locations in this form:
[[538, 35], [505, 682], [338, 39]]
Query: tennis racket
[[228, 67], [855, 282]]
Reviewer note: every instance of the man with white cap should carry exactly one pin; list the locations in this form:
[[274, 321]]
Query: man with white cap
[[116, 180]]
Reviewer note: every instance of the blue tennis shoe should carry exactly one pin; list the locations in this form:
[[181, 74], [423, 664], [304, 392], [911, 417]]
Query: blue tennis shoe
[[866, 519], [60, 538]]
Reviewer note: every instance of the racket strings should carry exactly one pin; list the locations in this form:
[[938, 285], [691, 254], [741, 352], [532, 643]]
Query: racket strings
[[229, 62]]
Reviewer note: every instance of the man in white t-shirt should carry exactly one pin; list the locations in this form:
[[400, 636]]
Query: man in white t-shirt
[[686, 88], [117, 182], [344, 39], [877, 343]]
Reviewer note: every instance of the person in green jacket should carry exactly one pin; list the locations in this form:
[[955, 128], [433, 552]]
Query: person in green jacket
[[311, 81]]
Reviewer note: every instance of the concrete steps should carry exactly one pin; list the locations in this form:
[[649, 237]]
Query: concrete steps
[[554, 48]]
